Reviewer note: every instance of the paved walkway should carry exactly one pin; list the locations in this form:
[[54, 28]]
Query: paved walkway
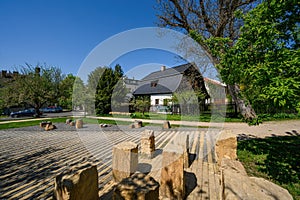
[[23, 120]]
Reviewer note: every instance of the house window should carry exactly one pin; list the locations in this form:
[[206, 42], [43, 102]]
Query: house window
[[154, 83], [156, 101]]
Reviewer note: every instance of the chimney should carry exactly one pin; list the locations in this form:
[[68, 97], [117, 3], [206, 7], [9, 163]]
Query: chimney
[[37, 70], [163, 68], [15, 73], [3, 73]]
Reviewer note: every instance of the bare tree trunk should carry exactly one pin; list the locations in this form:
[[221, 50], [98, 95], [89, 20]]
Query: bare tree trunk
[[37, 111], [244, 107]]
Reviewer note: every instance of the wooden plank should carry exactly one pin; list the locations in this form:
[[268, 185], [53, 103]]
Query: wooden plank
[[212, 173]]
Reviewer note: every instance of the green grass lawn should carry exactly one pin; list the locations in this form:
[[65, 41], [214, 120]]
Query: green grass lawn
[[204, 117], [85, 120], [29, 123], [63, 120], [276, 159]]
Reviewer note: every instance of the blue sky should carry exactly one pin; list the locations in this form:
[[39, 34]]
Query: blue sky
[[63, 33]]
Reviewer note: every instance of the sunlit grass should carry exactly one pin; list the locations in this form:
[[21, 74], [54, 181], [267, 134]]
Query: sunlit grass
[[29, 123], [275, 159]]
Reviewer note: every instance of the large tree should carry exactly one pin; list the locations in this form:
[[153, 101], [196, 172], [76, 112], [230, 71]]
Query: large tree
[[80, 95], [141, 103], [33, 87], [66, 90], [72, 92], [265, 60], [214, 25], [103, 81]]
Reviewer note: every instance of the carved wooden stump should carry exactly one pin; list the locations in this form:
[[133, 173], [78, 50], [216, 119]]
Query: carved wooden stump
[[182, 140], [166, 125], [226, 147], [172, 173], [138, 124], [148, 143], [77, 184], [125, 160], [50, 127], [79, 123], [45, 123], [138, 186], [72, 123], [68, 121]]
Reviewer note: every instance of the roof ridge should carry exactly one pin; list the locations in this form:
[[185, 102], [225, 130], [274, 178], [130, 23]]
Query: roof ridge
[[167, 75]]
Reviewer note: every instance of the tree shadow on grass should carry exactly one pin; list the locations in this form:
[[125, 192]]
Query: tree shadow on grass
[[282, 155]]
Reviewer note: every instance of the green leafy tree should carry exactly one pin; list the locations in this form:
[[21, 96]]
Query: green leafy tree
[[91, 89], [119, 99], [191, 92], [188, 101], [103, 80], [66, 91], [265, 61], [215, 26], [79, 94], [72, 92], [104, 91], [142, 103], [33, 87]]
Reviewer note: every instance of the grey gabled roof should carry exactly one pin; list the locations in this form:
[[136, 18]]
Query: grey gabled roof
[[146, 89], [167, 81], [167, 72]]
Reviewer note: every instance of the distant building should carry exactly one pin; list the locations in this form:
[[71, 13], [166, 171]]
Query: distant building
[[8, 75], [216, 90], [161, 85], [131, 83]]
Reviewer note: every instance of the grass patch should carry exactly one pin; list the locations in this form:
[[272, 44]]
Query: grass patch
[[206, 117], [29, 123], [203, 117], [278, 116], [20, 124], [275, 159]]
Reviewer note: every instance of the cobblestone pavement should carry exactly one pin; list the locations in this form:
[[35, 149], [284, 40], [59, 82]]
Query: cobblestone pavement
[[30, 157]]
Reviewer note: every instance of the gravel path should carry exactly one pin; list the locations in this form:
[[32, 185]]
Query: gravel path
[[266, 129]]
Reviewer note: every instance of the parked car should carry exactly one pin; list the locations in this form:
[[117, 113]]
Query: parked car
[[58, 109], [6, 111], [51, 109], [24, 113]]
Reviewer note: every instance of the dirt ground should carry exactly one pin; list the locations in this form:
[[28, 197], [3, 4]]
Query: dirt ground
[[266, 129]]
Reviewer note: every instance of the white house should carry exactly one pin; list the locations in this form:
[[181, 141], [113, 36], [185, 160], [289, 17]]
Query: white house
[[161, 85]]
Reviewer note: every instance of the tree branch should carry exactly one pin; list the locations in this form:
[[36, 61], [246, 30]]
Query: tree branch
[[206, 20], [183, 16]]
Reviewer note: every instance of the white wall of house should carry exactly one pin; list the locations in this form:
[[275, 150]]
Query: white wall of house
[[217, 92], [158, 99]]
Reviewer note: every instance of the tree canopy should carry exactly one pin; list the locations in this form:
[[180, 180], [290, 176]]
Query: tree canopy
[[33, 87], [66, 91], [72, 92], [265, 59], [103, 80]]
